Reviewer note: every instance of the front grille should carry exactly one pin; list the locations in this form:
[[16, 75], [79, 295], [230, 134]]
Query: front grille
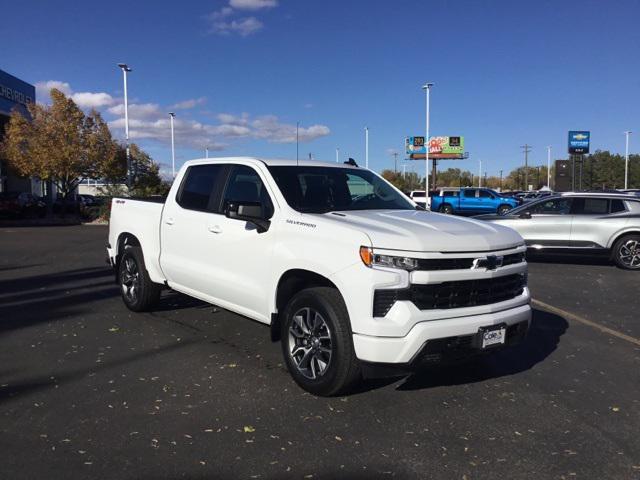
[[462, 263], [458, 294]]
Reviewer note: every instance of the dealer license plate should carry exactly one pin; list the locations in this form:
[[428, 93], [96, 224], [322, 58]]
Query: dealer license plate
[[493, 337]]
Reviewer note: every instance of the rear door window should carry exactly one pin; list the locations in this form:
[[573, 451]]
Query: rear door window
[[470, 194], [593, 206], [196, 192], [485, 194]]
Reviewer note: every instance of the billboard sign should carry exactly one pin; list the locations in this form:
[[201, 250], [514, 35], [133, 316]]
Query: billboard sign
[[14, 93], [439, 147], [579, 142]]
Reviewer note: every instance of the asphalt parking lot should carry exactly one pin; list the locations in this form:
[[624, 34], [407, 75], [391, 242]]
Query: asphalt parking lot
[[91, 390]]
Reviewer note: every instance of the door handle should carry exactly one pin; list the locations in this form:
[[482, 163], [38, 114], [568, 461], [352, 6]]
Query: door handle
[[214, 229], [169, 221]]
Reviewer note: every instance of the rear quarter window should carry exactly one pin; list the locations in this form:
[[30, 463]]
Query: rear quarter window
[[197, 187]]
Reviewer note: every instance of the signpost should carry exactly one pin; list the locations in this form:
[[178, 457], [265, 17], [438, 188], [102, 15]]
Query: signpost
[[440, 148], [578, 145]]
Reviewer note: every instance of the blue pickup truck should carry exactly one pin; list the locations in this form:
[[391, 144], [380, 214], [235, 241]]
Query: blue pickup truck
[[471, 201]]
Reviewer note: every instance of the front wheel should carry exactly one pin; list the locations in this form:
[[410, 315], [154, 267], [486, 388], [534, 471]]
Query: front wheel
[[503, 209], [317, 342], [626, 252], [139, 293]]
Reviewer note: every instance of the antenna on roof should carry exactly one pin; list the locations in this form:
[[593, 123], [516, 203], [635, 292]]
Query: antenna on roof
[[351, 162]]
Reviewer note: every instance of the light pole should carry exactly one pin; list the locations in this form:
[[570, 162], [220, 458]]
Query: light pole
[[480, 173], [297, 141], [206, 152], [173, 150], [126, 69], [337, 155], [549, 166], [366, 147], [427, 89], [626, 160]]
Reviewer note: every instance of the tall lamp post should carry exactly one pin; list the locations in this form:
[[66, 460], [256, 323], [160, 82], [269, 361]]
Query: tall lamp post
[[173, 150], [126, 69], [206, 152], [626, 160], [549, 166], [427, 89], [337, 155], [479, 173], [366, 147]]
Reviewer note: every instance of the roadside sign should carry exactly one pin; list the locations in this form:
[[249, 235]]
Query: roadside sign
[[579, 142], [439, 147]]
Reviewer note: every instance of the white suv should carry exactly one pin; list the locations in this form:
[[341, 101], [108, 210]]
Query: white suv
[[345, 269]]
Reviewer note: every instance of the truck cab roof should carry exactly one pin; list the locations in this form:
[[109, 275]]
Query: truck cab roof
[[270, 162]]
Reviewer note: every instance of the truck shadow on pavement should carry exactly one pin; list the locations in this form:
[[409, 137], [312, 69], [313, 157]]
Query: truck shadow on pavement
[[542, 340]]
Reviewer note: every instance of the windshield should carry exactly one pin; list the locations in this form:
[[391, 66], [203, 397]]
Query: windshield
[[325, 189]]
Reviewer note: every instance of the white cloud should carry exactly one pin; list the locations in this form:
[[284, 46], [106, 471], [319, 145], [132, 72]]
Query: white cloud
[[243, 26], [187, 104], [82, 99], [92, 100], [43, 89], [226, 22], [252, 4]]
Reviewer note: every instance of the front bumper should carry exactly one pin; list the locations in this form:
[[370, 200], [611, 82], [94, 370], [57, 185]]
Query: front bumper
[[439, 337]]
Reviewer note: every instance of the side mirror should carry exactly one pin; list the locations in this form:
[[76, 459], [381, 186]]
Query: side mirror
[[525, 215], [247, 212]]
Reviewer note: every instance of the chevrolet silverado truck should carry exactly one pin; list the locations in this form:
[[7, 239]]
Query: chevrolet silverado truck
[[471, 201], [348, 272]]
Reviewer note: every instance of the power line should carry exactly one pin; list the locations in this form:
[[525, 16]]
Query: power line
[[526, 149]]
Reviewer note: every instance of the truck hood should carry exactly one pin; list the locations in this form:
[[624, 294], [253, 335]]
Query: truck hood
[[420, 231]]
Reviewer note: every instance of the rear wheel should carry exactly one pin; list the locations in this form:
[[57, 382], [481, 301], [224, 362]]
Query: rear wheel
[[503, 209], [446, 208], [626, 252], [139, 293], [317, 342]]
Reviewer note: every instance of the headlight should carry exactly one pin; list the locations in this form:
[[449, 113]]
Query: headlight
[[369, 258]]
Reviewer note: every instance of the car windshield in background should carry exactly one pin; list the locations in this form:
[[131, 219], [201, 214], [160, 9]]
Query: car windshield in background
[[325, 189]]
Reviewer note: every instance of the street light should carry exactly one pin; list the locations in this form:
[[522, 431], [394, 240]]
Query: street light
[[126, 69], [337, 155], [366, 147], [173, 150], [626, 160], [427, 89], [549, 166], [206, 152], [479, 173]]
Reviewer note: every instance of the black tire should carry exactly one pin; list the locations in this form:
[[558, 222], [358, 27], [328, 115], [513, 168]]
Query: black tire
[[139, 293], [502, 209], [342, 368], [446, 209], [626, 252]]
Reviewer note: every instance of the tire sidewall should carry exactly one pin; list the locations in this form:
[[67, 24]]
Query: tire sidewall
[[134, 254], [446, 209], [503, 209], [324, 384], [616, 252]]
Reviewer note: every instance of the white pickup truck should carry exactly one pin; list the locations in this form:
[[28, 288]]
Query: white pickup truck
[[348, 273]]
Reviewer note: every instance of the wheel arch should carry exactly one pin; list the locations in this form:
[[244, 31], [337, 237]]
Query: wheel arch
[[618, 236], [124, 239], [290, 283]]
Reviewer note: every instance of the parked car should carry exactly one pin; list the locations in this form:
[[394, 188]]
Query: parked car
[[21, 204], [419, 197], [580, 222], [342, 266], [471, 201]]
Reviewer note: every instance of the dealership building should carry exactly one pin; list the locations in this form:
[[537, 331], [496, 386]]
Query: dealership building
[[15, 94]]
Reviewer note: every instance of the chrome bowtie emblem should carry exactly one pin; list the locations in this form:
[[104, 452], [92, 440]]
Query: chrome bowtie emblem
[[490, 262]]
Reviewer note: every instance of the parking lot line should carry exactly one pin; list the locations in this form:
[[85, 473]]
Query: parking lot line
[[577, 318]]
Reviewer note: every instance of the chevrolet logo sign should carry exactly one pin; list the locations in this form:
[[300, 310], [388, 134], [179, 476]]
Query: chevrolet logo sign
[[580, 136], [490, 262]]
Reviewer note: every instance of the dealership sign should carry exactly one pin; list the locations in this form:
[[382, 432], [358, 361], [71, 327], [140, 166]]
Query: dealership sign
[[14, 93], [579, 142], [439, 147]]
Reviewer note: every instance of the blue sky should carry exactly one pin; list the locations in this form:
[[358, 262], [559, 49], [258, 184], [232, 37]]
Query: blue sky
[[240, 73]]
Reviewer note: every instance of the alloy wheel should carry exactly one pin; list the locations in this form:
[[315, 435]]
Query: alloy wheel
[[629, 253], [130, 280], [310, 344]]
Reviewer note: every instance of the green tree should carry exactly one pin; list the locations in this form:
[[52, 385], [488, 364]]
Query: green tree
[[405, 182], [60, 144]]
